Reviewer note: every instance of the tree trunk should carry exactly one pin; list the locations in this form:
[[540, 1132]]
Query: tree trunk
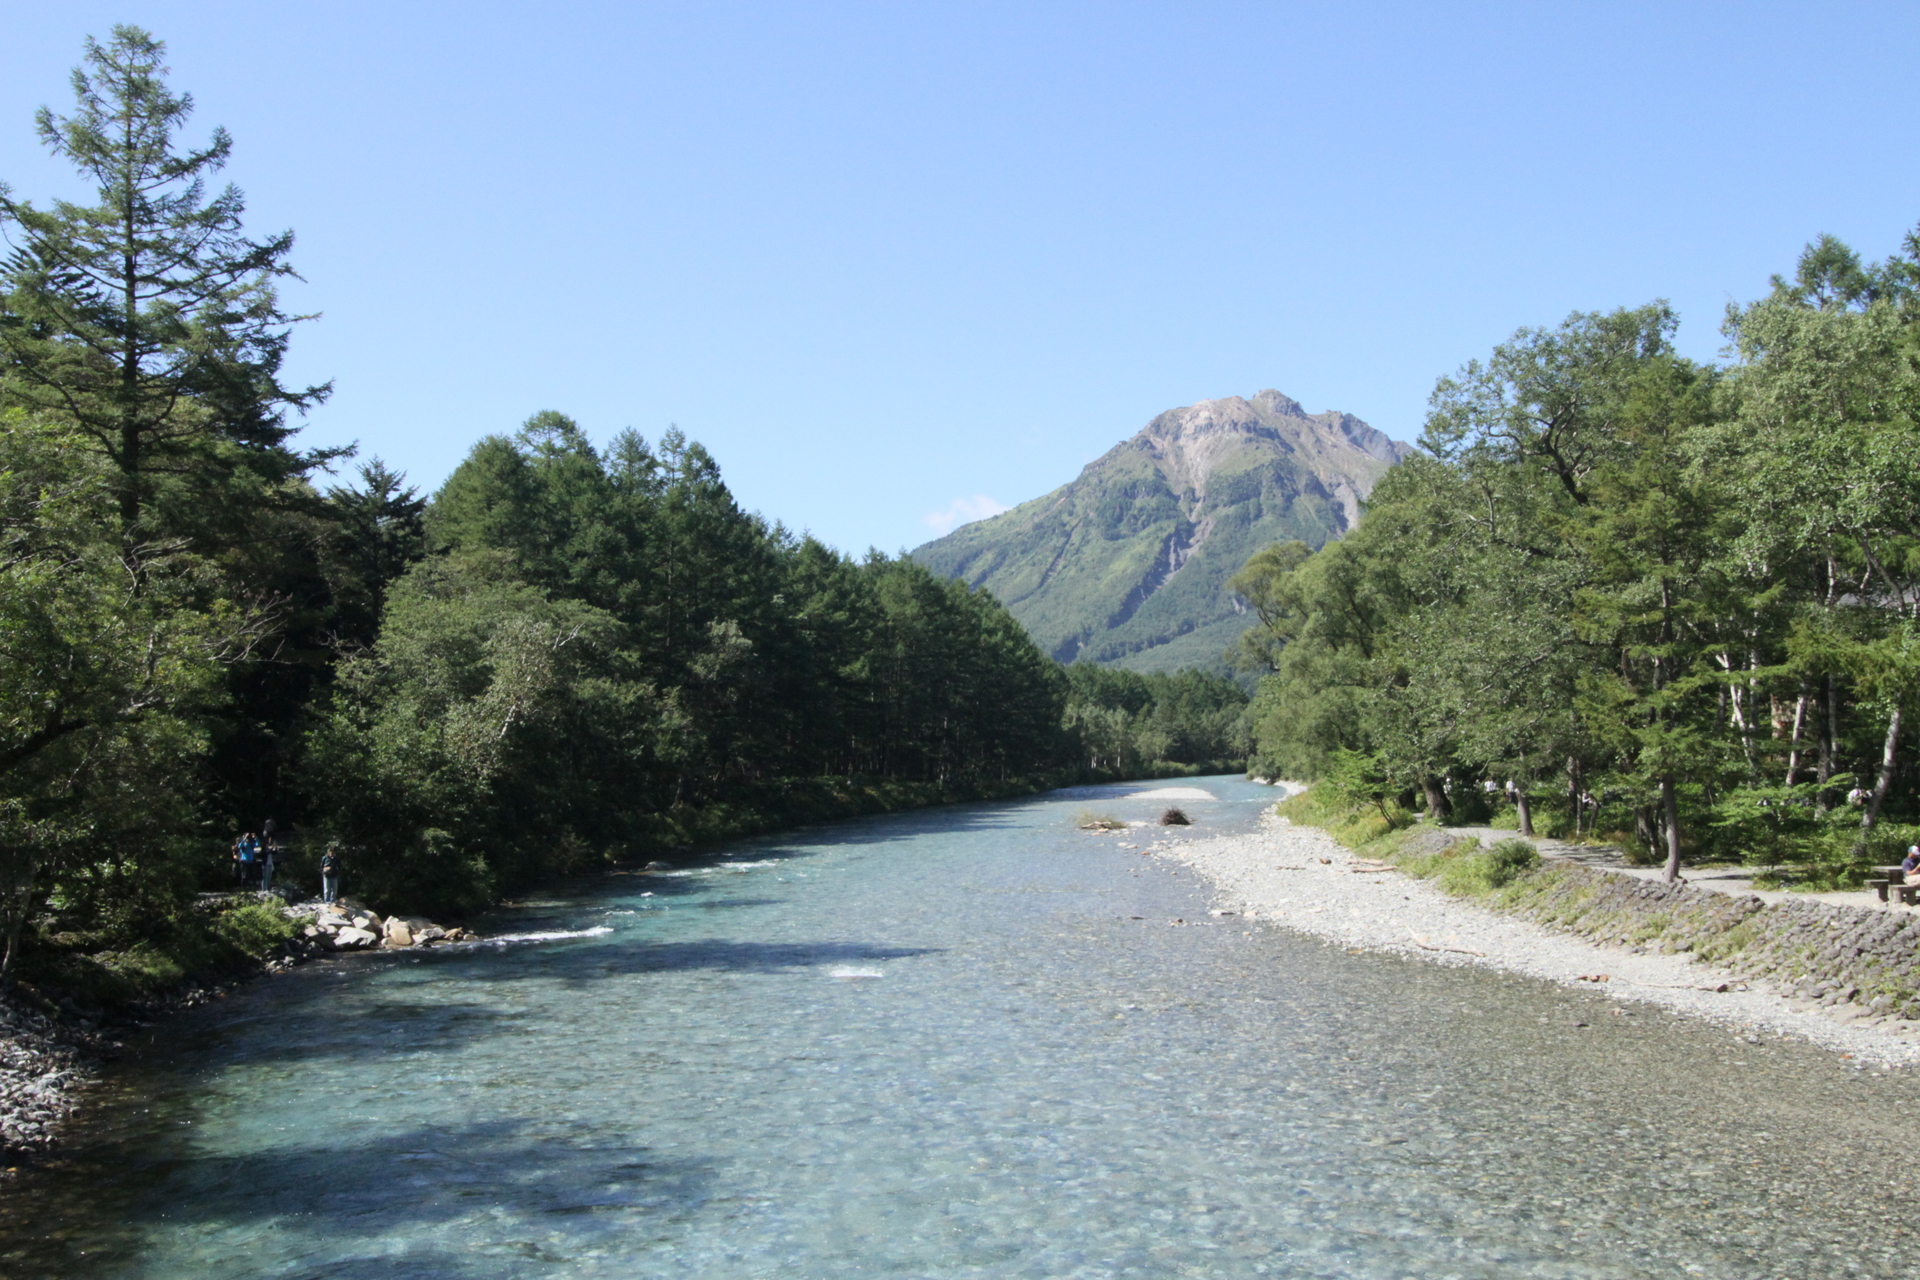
[[1574, 792], [1525, 806], [1746, 709], [1646, 827], [1799, 726], [1824, 769], [1437, 807], [1885, 780], [16, 904], [1672, 805]]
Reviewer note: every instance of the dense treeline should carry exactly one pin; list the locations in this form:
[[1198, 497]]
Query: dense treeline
[[1676, 601], [593, 642], [1126, 723], [566, 655]]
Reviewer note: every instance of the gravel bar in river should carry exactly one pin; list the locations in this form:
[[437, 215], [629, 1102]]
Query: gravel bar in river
[[1300, 878]]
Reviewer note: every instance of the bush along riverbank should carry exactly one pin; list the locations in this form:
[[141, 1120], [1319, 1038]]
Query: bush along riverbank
[[1862, 964]]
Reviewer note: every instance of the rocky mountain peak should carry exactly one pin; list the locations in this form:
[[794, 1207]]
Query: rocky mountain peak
[[1130, 562], [1274, 402], [1191, 443]]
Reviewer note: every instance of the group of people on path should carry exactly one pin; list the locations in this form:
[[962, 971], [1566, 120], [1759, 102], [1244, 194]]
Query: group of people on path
[[254, 857]]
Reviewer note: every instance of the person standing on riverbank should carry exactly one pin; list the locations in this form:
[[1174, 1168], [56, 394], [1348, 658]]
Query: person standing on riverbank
[[267, 850], [330, 874]]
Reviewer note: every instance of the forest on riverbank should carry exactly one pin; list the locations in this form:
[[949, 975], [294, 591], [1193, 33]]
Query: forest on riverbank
[[1628, 594], [566, 656]]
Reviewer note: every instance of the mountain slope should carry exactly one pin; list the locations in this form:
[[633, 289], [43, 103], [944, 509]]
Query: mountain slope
[[1128, 564]]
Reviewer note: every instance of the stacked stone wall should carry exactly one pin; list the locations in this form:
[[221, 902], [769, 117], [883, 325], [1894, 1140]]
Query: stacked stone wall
[[1835, 954]]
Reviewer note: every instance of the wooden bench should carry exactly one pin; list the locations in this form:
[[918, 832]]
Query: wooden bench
[[1893, 879]]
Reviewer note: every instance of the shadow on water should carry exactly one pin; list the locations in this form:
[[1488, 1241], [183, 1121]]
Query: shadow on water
[[314, 1020], [375, 1031], [960, 819], [532, 1194], [588, 964]]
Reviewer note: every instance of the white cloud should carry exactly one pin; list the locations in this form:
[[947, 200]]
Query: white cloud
[[963, 511]]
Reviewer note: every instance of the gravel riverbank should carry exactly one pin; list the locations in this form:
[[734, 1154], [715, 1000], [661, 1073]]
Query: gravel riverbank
[[45, 1063], [1299, 878], [41, 1067]]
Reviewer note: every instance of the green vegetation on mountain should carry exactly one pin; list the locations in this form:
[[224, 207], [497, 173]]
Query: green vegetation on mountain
[[1128, 565], [1677, 604]]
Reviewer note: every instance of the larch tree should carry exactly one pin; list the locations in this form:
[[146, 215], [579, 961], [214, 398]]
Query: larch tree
[[148, 319]]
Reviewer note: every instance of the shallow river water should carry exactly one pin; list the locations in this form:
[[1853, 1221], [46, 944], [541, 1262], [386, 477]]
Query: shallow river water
[[966, 1042]]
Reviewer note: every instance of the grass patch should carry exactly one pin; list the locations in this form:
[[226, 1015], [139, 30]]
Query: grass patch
[[97, 971], [1467, 869], [1353, 825]]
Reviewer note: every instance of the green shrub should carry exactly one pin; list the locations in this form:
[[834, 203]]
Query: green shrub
[[1883, 846], [1467, 870], [253, 928], [1467, 875], [135, 972], [1314, 807], [1509, 859]]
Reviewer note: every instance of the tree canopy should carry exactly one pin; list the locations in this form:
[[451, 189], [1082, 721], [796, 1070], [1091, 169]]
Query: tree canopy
[[1675, 599]]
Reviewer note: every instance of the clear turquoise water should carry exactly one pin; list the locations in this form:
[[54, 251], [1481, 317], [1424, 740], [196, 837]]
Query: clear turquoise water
[[938, 1044]]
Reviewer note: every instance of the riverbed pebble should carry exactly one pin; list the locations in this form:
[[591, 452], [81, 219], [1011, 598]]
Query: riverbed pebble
[[39, 1070], [1299, 878]]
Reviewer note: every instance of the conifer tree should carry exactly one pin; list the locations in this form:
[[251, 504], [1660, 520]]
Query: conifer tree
[[148, 319]]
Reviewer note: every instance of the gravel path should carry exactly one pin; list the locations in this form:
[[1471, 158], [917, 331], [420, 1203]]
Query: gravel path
[[1299, 878]]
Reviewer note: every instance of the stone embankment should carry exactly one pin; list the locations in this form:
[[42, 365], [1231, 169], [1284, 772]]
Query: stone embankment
[[1864, 964]]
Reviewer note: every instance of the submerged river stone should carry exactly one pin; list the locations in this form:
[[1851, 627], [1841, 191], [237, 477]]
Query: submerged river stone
[[1033, 1076]]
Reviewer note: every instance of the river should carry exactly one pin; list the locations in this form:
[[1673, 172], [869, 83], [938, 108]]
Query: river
[[968, 1042]]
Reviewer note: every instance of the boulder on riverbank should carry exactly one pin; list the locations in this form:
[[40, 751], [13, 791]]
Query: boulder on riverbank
[[346, 926]]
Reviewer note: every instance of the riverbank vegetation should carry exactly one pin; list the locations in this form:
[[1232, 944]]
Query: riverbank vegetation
[[568, 655], [1631, 596]]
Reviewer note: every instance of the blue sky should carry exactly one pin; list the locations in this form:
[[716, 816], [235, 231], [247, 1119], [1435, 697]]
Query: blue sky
[[894, 263]]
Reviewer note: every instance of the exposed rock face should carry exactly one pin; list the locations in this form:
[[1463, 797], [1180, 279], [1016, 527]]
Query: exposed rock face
[[1128, 564]]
